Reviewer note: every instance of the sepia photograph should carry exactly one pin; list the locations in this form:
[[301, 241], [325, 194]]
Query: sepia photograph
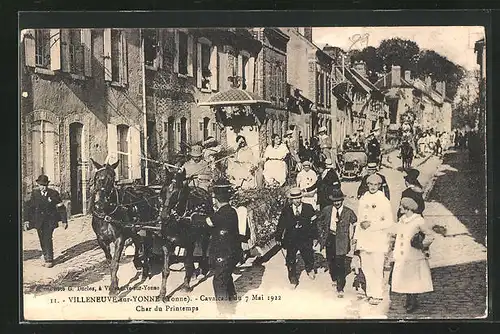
[[261, 173]]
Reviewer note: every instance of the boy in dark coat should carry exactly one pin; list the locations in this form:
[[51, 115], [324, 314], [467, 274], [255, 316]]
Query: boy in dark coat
[[335, 230], [225, 246], [295, 232], [43, 211]]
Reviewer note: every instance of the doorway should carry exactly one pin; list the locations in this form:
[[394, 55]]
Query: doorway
[[75, 144]]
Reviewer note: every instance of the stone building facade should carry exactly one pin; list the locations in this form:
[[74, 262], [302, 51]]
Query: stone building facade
[[81, 99]]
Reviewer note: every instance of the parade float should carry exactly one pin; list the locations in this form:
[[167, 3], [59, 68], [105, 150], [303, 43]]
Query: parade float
[[242, 113]]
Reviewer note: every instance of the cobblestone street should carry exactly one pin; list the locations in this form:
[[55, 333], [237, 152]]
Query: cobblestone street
[[458, 262]]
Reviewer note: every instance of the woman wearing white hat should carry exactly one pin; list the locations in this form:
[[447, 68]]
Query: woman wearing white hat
[[325, 143]]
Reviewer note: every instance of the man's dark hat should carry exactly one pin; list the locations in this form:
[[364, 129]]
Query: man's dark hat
[[336, 195], [43, 180], [412, 176], [222, 185]]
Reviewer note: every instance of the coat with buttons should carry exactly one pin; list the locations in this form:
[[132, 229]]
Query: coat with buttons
[[45, 210], [292, 229], [224, 241], [343, 232], [406, 228]]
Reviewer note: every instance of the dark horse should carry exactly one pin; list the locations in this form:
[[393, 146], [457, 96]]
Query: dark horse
[[406, 154], [115, 211], [183, 219]]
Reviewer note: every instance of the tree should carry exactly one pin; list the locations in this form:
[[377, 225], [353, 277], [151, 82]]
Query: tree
[[397, 51]]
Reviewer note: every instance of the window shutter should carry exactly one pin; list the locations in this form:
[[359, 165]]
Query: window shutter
[[176, 58], [29, 47], [214, 80], [123, 59], [55, 49], [240, 66], [65, 57], [198, 65], [250, 74], [135, 153], [112, 145], [107, 55], [200, 130], [87, 51], [159, 57], [190, 56]]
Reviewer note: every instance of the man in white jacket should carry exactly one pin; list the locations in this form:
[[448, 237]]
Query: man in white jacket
[[372, 237]]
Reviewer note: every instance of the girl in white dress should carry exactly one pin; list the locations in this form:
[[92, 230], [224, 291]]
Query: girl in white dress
[[411, 274], [275, 170]]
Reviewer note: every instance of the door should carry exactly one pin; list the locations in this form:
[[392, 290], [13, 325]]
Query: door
[[75, 143]]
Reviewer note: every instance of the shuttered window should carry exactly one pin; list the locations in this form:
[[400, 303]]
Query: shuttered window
[[115, 56], [124, 146], [76, 52], [43, 148], [42, 48]]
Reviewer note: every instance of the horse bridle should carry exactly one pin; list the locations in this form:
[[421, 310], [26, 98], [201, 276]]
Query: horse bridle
[[107, 216]]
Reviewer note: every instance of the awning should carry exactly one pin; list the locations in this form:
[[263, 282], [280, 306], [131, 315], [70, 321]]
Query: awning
[[234, 96]]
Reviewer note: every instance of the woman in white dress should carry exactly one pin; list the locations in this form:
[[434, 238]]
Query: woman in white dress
[[411, 274], [275, 170], [241, 168]]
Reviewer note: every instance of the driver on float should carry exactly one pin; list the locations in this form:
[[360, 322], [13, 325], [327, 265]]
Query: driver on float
[[197, 171]]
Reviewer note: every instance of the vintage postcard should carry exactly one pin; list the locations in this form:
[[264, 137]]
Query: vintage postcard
[[255, 173]]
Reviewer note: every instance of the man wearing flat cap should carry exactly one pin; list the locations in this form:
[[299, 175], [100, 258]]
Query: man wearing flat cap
[[225, 247], [43, 211], [371, 169], [335, 230], [372, 236], [295, 232], [197, 169], [307, 182]]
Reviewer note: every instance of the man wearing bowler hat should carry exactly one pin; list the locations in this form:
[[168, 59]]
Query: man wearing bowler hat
[[373, 147], [295, 232], [327, 182], [371, 169], [335, 231], [43, 211], [414, 191]]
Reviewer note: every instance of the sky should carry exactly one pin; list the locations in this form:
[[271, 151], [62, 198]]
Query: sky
[[456, 43]]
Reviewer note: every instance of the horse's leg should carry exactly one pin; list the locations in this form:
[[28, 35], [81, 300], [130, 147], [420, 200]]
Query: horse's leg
[[105, 247], [138, 260], [115, 263], [189, 266], [148, 254], [167, 251]]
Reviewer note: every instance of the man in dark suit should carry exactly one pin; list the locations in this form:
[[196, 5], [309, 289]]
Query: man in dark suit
[[335, 231], [373, 148], [327, 182], [43, 211], [414, 191], [295, 232], [371, 168], [225, 246]]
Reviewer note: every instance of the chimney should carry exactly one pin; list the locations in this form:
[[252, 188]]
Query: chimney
[[408, 75], [308, 34], [396, 76], [428, 82], [360, 67]]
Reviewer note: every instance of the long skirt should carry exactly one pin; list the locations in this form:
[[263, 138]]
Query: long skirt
[[412, 277], [275, 171]]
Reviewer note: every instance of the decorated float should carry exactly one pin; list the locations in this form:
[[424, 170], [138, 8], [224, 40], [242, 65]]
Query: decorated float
[[242, 113]]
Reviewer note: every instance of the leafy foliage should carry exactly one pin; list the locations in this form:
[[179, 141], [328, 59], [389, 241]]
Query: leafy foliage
[[408, 55]]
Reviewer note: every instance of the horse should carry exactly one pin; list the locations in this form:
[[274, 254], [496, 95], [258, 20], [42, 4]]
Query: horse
[[115, 211], [183, 220], [406, 154]]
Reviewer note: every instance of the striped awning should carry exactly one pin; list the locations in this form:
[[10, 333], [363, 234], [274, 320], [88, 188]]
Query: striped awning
[[234, 96]]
